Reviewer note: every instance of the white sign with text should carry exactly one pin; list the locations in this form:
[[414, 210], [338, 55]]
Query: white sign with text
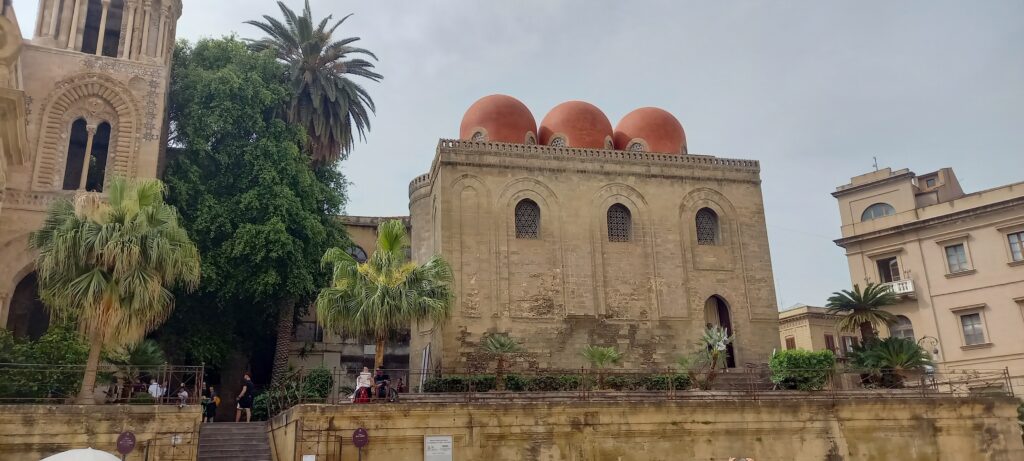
[[437, 448]]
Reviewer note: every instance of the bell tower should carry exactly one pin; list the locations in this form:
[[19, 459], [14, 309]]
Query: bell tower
[[137, 30]]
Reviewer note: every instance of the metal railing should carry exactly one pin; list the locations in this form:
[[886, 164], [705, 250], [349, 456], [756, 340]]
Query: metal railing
[[749, 383], [58, 384], [901, 287]]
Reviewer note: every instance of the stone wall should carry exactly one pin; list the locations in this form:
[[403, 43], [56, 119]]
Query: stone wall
[[32, 432], [572, 286], [944, 429]]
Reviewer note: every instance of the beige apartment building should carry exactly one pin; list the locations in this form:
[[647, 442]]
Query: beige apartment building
[[813, 328], [956, 260]]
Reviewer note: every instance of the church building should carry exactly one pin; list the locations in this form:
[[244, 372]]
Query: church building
[[82, 101]]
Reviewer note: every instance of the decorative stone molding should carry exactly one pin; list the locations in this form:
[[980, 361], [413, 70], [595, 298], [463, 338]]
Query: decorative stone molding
[[33, 201], [97, 98], [151, 74]]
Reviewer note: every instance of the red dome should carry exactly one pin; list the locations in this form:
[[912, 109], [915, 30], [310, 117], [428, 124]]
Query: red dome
[[498, 118], [582, 124], [656, 129]]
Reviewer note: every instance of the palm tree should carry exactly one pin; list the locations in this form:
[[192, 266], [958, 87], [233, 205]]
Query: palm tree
[[892, 357], [108, 265], [863, 308], [501, 346], [134, 359], [325, 101], [385, 294], [601, 358]]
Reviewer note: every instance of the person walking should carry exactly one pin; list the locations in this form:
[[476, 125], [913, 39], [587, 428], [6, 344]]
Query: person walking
[[210, 403], [245, 399]]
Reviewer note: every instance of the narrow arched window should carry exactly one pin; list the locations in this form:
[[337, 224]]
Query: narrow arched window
[[878, 210], [102, 28], [527, 219], [901, 328], [707, 227], [620, 223], [76, 153], [357, 253], [98, 159]]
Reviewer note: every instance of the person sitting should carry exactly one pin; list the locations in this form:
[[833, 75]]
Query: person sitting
[[364, 385], [182, 396], [382, 382]]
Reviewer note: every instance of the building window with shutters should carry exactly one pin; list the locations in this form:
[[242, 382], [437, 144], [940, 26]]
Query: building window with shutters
[[790, 343], [830, 343]]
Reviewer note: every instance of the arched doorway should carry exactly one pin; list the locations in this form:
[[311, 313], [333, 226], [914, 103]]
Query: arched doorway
[[28, 317], [716, 313]]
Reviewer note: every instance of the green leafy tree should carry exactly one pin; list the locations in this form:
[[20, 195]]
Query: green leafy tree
[[385, 294], [600, 358], [108, 262], [324, 99], [134, 359], [501, 346], [22, 377], [262, 218], [863, 309]]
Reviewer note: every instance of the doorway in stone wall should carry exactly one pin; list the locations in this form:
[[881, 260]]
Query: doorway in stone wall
[[716, 313], [27, 317]]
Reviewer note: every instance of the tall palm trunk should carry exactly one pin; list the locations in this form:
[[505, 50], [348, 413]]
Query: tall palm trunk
[[378, 353], [867, 332], [86, 396], [282, 350]]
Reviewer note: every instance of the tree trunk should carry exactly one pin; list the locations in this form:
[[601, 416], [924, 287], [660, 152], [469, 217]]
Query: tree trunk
[[867, 332], [285, 322], [378, 353], [499, 374], [86, 396]]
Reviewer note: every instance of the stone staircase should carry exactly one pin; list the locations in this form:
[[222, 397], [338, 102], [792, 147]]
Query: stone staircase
[[233, 442]]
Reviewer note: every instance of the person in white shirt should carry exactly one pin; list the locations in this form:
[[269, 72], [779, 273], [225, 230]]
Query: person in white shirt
[[364, 380], [155, 389]]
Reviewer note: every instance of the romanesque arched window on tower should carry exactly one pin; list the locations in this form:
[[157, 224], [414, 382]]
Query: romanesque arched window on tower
[[102, 34], [707, 227], [620, 224], [527, 219], [87, 172]]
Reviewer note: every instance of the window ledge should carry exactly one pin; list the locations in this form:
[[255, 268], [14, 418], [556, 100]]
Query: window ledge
[[976, 346], [961, 273], [1015, 263]]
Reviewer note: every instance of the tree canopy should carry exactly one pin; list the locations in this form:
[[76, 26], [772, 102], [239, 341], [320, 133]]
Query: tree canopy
[[260, 215]]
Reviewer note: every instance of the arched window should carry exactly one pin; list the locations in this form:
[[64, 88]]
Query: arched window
[[901, 328], [707, 227], [479, 136], [87, 172], [527, 219], [620, 224], [108, 39], [876, 211], [357, 253], [558, 141]]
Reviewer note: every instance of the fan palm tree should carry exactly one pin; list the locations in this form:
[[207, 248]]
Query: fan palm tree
[[601, 358], [325, 100], [385, 294], [134, 359], [108, 265], [863, 309], [501, 346]]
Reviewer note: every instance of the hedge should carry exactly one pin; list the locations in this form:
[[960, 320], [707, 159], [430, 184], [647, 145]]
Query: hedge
[[802, 370], [554, 383]]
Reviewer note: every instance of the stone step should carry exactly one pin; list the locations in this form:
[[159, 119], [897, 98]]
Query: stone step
[[239, 451], [233, 441]]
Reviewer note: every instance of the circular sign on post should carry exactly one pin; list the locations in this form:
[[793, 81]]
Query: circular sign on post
[[360, 438], [125, 442]]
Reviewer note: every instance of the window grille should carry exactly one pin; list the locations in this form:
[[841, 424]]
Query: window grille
[[620, 224], [479, 136], [558, 141], [637, 147], [707, 227], [527, 220]]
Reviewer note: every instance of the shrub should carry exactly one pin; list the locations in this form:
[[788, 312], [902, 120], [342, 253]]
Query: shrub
[[679, 382], [317, 384], [802, 370], [59, 346], [480, 383]]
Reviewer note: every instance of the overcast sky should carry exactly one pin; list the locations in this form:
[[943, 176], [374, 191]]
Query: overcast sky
[[812, 89]]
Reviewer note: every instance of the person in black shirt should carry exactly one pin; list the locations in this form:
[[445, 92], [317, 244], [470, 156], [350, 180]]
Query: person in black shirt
[[245, 399], [383, 381]]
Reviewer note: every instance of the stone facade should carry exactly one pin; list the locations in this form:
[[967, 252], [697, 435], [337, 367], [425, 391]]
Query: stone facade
[[956, 260], [650, 295], [68, 92], [796, 428], [162, 432]]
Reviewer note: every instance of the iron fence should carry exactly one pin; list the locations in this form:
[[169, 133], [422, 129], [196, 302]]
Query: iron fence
[[751, 383], [43, 383]]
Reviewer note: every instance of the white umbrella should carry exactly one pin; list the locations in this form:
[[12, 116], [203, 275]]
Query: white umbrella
[[82, 454]]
